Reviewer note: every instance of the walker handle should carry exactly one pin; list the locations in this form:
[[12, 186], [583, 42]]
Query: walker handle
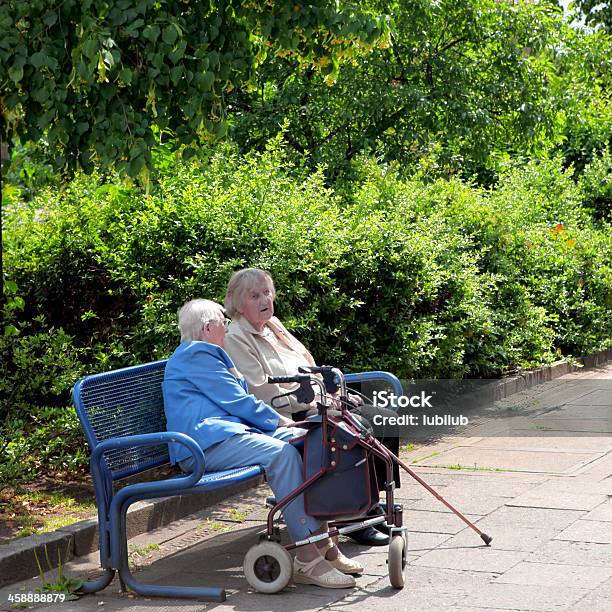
[[329, 376], [298, 378], [316, 369], [304, 393]]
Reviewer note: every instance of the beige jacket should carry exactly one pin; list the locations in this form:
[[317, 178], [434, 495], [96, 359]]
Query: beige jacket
[[256, 358]]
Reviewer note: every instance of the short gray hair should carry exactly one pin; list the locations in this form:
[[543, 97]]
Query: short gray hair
[[240, 283], [194, 314]]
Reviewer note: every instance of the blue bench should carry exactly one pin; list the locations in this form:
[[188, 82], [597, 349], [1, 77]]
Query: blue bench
[[122, 416]]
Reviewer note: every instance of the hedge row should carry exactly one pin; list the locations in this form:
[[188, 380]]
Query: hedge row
[[441, 279], [425, 279]]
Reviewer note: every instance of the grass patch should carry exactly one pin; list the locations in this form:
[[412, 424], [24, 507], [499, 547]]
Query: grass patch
[[59, 500], [475, 468], [425, 457], [142, 551], [237, 515], [138, 556], [68, 585], [209, 525], [28, 512], [25, 526]]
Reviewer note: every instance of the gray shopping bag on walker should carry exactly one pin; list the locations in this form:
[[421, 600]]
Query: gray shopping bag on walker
[[347, 488]]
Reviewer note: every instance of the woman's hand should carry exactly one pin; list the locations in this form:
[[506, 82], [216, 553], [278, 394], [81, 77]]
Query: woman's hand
[[356, 400], [285, 422], [336, 402]]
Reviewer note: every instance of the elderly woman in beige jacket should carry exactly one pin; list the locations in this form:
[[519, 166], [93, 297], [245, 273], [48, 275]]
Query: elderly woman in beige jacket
[[261, 346], [268, 351]]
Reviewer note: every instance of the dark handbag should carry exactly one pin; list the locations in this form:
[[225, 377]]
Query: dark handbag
[[348, 487]]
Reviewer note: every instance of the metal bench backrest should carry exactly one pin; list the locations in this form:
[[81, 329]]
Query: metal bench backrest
[[123, 403]]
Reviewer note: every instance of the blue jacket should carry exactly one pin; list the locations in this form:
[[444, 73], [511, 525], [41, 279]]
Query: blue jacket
[[205, 400]]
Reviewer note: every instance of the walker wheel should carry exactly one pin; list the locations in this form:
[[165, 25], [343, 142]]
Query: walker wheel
[[268, 567], [397, 561]]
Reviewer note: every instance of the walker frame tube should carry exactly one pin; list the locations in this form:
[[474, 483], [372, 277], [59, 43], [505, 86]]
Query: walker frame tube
[[368, 441]]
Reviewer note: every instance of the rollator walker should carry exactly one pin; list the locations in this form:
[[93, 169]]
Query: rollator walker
[[339, 485]]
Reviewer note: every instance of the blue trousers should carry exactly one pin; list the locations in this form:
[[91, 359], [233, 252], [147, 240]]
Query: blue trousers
[[282, 463]]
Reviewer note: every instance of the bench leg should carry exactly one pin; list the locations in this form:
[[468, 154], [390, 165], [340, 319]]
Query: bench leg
[[93, 586], [151, 590], [124, 588]]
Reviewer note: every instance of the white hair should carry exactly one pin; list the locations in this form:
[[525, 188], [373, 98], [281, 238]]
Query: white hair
[[193, 315], [240, 283]]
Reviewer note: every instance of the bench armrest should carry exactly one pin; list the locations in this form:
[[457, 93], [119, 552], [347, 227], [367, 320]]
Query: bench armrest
[[368, 376], [149, 439]]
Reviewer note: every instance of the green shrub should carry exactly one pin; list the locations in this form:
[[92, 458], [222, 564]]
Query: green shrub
[[424, 278], [48, 440], [38, 366], [596, 184]]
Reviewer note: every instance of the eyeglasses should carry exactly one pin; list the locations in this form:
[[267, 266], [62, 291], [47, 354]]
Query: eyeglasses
[[225, 322]]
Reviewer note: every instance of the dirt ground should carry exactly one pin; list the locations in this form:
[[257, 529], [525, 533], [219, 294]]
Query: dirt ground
[[56, 500], [47, 503]]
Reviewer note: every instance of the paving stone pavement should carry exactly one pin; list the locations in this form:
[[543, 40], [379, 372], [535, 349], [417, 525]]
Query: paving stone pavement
[[543, 492]]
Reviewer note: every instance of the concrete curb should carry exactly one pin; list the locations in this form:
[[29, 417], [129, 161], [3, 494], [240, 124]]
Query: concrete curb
[[18, 559], [530, 378]]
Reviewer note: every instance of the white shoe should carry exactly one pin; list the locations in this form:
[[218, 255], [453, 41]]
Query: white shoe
[[345, 565], [332, 579]]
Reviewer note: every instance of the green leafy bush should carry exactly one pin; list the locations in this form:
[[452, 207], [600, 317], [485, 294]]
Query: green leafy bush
[[596, 184], [424, 278], [38, 366]]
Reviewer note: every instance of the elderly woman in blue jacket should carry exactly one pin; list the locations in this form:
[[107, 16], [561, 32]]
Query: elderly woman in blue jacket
[[205, 397]]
